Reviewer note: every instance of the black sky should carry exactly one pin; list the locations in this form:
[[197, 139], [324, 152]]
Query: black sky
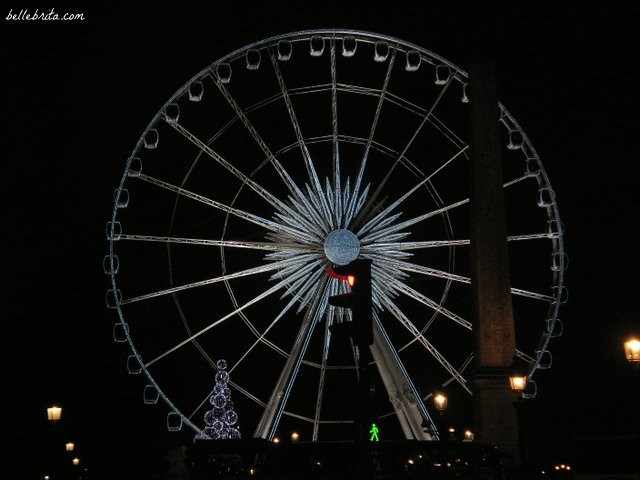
[[76, 96]]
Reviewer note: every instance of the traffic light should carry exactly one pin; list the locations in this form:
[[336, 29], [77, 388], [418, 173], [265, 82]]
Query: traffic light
[[358, 276]]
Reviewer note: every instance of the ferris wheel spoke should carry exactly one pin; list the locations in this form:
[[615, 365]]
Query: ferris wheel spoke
[[275, 288], [377, 235], [311, 170], [381, 219], [432, 272], [435, 306], [272, 200], [462, 368], [525, 176], [262, 336], [381, 235], [247, 393], [281, 207], [275, 407], [337, 182], [306, 214], [268, 246], [527, 358], [279, 168], [209, 281], [372, 201], [532, 295], [353, 207], [314, 281], [446, 132], [263, 222], [302, 278], [326, 342], [535, 236], [419, 337], [383, 247]]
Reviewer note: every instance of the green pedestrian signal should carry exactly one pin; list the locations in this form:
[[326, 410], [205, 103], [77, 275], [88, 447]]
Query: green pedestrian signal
[[374, 433]]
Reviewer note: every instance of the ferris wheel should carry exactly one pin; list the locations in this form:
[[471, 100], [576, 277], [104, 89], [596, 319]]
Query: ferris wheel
[[281, 159]]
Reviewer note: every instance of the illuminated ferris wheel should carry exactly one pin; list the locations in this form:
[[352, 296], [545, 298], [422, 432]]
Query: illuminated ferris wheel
[[285, 157]]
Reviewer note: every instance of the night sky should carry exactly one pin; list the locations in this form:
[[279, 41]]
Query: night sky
[[77, 95]]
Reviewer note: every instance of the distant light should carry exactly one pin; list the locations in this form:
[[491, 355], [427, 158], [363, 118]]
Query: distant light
[[632, 350], [295, 437], [69, 446], [54, 413], [276, 440], [468, 436], [440, 401], [75, 461]]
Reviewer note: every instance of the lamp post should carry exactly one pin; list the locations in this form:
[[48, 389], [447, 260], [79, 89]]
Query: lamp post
[[440, 402], [632, 351], [518, 383], [54, 414]]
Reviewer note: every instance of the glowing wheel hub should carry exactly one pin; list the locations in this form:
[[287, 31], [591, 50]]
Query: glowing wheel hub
[[341, 246]]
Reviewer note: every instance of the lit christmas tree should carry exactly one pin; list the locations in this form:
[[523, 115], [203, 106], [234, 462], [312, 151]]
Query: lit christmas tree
[[221, 420]]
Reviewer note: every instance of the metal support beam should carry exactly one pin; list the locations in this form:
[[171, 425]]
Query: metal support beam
[[408, 405]]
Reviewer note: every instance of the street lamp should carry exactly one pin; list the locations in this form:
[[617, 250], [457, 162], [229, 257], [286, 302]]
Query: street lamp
[[632, 351], [517, 378], [518, 382], [69, 446], [54, 413], [440, 401]]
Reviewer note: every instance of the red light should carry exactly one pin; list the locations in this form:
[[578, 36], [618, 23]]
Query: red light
[[349, 278]]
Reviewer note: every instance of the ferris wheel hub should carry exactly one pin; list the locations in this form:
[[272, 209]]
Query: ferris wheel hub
[[341, 246]]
